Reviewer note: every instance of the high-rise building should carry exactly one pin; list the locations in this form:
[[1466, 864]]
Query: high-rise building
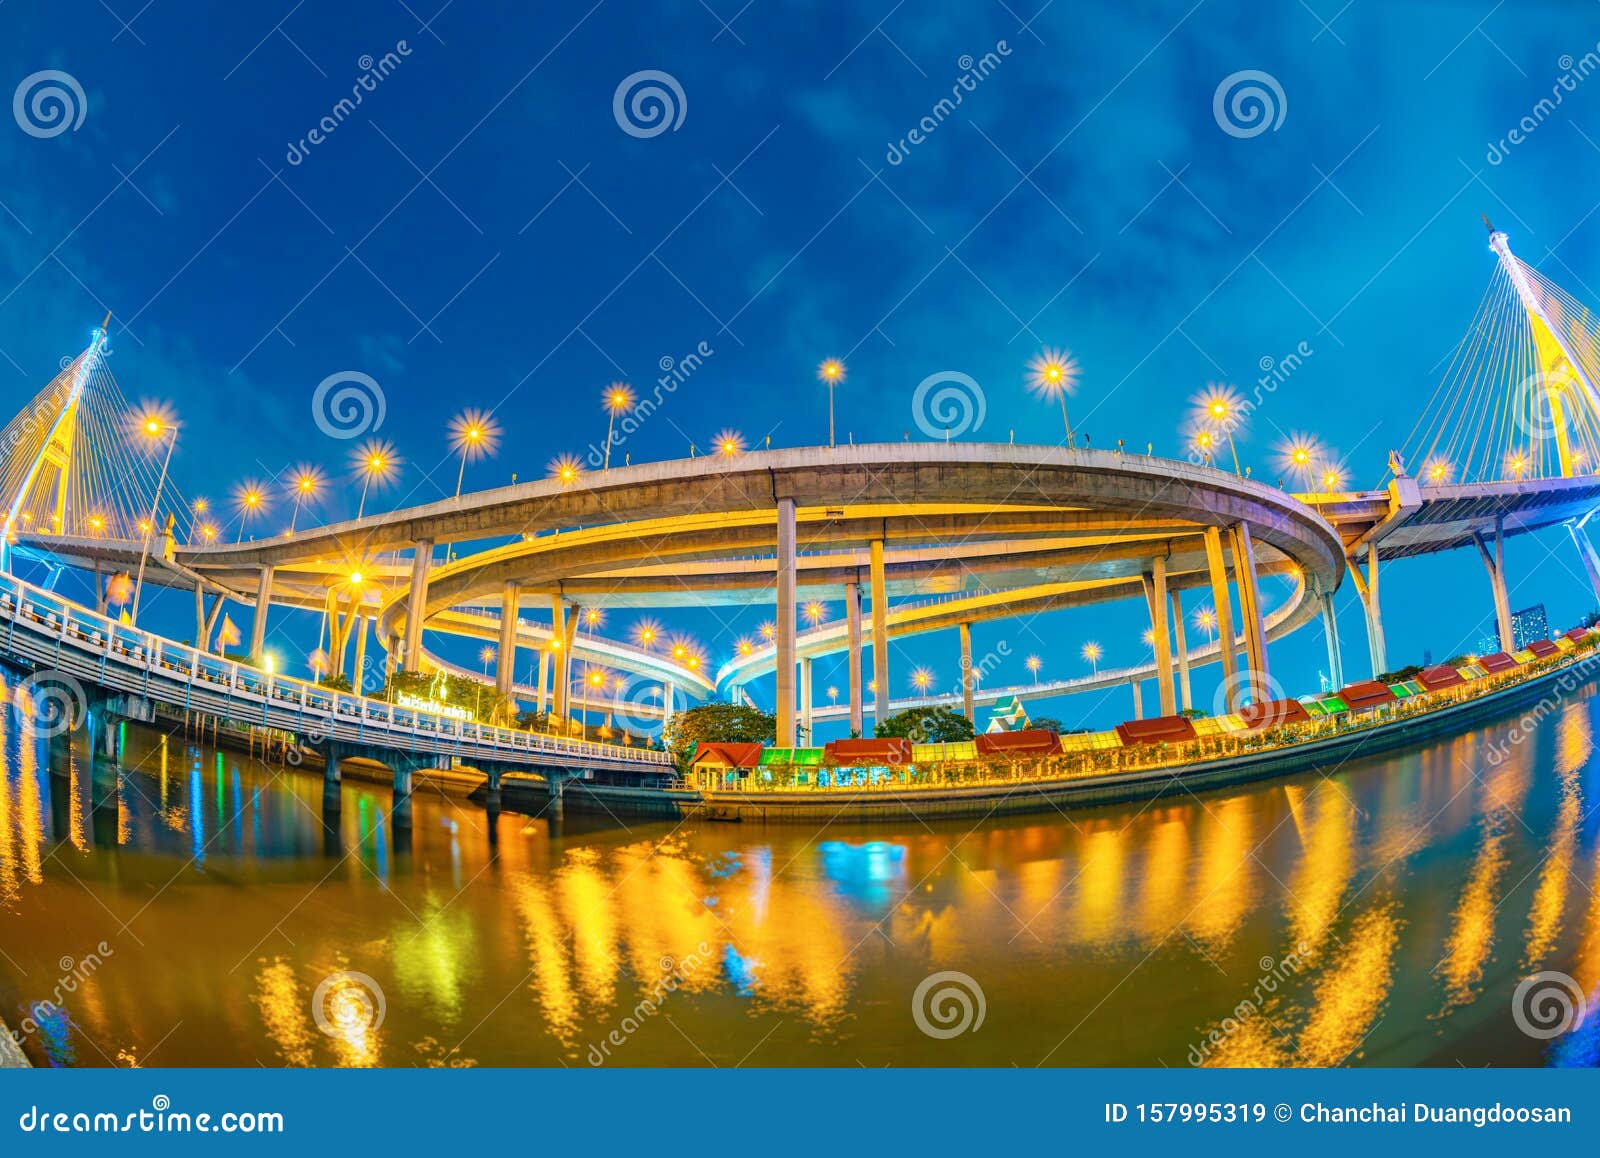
[[1527, 625]]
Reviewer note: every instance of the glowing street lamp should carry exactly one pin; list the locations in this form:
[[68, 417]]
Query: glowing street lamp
[[1220, 407], [473, 435], [1299, 456], [617, 398], [1149, 637], [1437, 471], [251, 499], [565, 470], [1054, 373], [833, 696], [815, 612], [744, 647], [921, 679], [645, 633], [1206, 620], [155, 424], [769, 631], [832, 372], [376, 461], [1034, 664], [306, 484], [1206, 443], [729, 443], [1517, 463], [1092, 653], [486, 657]]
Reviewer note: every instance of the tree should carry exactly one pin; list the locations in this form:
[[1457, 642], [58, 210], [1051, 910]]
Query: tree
[[716, 724], [338, 683], [1410, 671], [1048, 724], [926, 726]]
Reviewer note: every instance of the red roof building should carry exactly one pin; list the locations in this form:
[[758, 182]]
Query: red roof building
[[1273, 714], [1544, 648], [1496, 663], [731, 755], [1160, 730], [1029, 742], [1578, 634], [1367, 694], [859, 753], [1440, 675]]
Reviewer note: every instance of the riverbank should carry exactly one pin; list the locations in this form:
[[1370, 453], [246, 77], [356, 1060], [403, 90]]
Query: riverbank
[[1323, 755]]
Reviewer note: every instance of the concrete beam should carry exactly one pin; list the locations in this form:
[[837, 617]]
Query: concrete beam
[[421, 560]]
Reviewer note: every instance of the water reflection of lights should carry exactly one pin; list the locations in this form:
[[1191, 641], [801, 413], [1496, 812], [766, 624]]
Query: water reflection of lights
[[864, 871]]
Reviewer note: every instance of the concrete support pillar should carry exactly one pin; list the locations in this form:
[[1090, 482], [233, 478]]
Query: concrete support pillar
[[786, 625], [1372, 609], [391, 655], [1181, 647], [852, 610], [966, 673], [99, 587], [555, 783], [1138, 699], [211, 621], [880, 635], [491, 791], [258, 624], [1586, 552], [1217, 568], [1330, 631], [559, 661], [1251, 619], [667, 705], [544, 680], [199, 616], [421, 559], [805, 700], [332, 773], [1156, 599], [1494, 559], [400, 810], [506, 664], [358, 674]]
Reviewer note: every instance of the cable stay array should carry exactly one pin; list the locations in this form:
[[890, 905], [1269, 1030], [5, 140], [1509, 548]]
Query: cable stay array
[[1517, 398]]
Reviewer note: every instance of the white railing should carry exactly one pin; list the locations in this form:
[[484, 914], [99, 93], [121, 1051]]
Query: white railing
[[82, 642]]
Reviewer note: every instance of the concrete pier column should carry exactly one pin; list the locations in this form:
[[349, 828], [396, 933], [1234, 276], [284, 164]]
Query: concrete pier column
[[404, 770], [966, 672], [421, 559], [391, 655], [258, 624], [786, 625], [1251, 619], [1218, 570], [211, 622], [544, 679], [1494, 560], [880, 635], [358, 674], [805, 700], [1330, 630], [556, 783], [667, 705], [1181, 647], [331, 777], [1586, 552], [559, 659], [1372, 609], [199, 616], [1156, 599], [852, 610], [491, 792], [506, 663], [1138, 699]]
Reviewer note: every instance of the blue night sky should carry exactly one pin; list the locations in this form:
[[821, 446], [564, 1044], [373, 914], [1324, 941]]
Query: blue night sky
[[481, 232]]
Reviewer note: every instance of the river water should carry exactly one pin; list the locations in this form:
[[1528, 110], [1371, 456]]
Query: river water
[[194, 908]]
